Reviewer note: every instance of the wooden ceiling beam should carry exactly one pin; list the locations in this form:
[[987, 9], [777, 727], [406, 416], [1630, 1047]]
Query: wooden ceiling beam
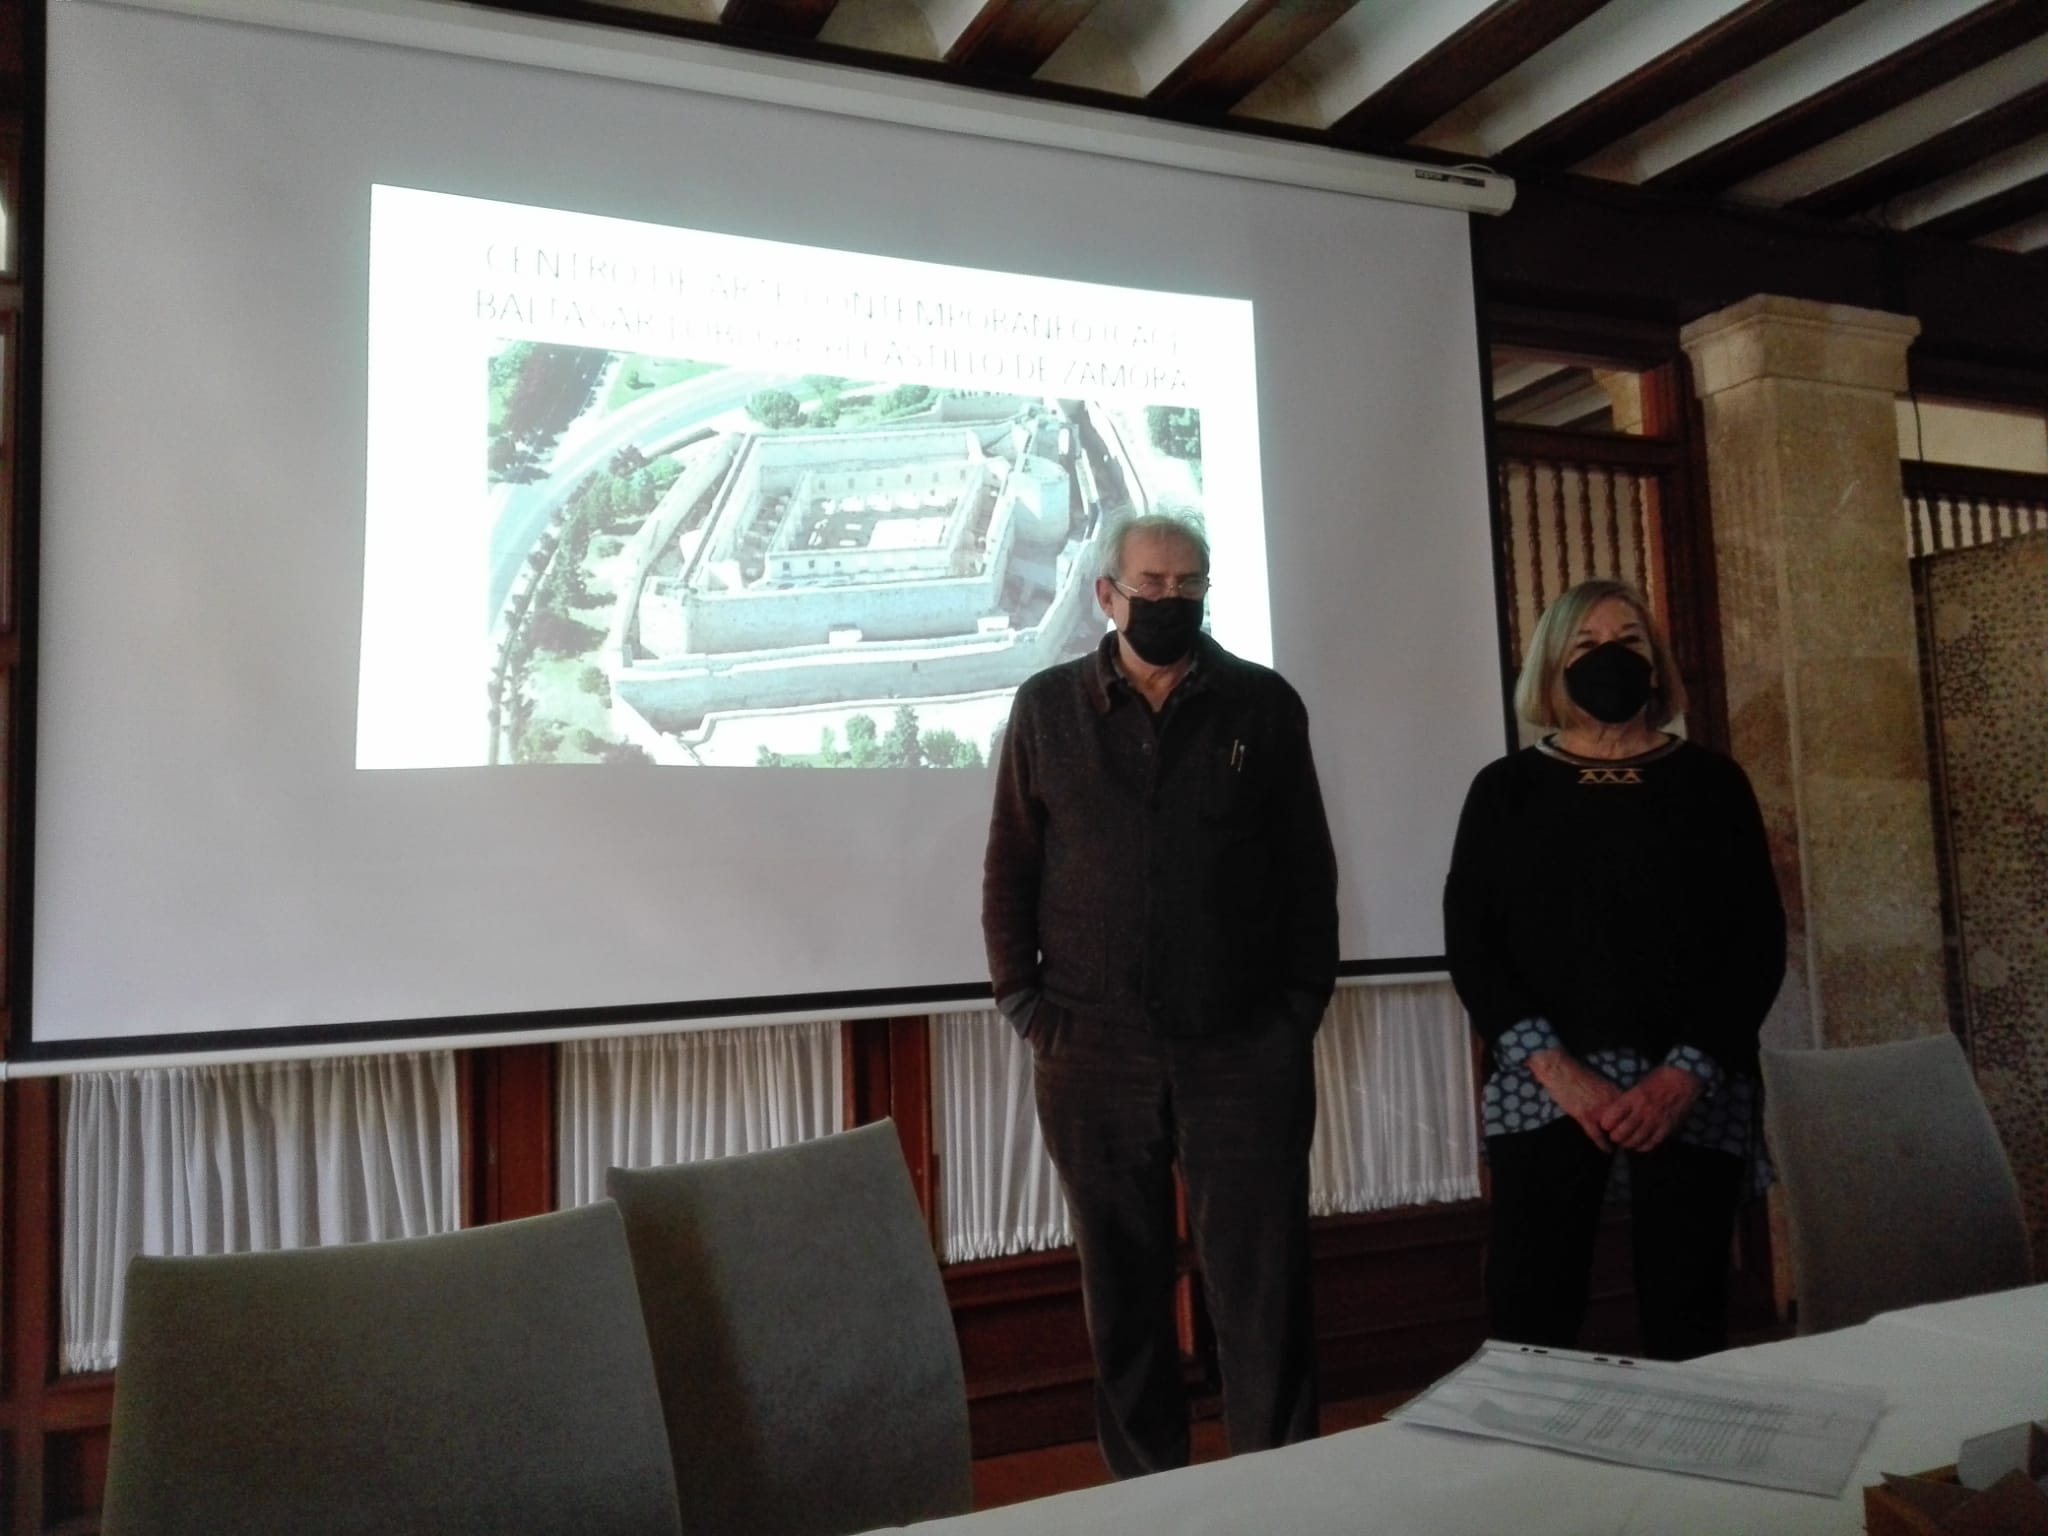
[[1459, 68], [1259, 37], [783, 18], [1555, 388], [1745, 36], [1962, 45], [1990, 214], [2011, 122], [1014, 37]]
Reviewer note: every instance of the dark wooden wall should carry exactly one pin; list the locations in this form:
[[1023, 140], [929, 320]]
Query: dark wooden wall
[[1592, 258]]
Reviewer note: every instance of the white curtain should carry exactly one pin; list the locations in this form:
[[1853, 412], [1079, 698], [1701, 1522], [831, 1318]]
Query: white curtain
[[645, 1100], [997, 1193], [1396, 1109], [236, 1159], [1395, 1119]]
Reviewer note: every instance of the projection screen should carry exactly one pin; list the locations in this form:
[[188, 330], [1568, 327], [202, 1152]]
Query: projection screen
[[480, 499]]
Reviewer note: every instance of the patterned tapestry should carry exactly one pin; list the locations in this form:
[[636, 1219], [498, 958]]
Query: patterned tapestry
[[1988, 610]]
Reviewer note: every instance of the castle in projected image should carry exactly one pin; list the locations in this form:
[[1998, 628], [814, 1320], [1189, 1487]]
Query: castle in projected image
[[696, 563], [790, 575]]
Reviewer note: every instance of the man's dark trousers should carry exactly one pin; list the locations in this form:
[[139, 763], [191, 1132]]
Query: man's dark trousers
[[1118, 1107]]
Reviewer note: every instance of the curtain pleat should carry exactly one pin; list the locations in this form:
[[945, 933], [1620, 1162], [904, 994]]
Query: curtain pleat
[[1396, 1122], [1395, 1119], [998, 1193], [246, 1158], [643, 1101]]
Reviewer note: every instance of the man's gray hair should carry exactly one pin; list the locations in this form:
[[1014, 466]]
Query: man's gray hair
[[1152, 522]]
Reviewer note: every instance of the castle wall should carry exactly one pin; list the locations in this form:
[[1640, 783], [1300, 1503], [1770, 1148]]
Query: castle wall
[[670, 699], [770, 618]]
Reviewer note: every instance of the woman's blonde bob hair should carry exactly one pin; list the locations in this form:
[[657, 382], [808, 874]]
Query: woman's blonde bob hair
[[1540, 696]]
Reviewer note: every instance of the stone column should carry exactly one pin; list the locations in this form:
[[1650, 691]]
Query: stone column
[[1817, 628]]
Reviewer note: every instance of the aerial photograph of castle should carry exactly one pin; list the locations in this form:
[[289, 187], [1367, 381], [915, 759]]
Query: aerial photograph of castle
[[698, 564]]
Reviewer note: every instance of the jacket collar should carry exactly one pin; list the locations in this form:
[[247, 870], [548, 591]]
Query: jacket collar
[[1103, 675]]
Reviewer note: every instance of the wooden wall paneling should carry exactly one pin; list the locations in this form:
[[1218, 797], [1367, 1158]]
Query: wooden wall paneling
[[863, 1070], [10, 382], [1999, 384], [1399, 1296], [28, 1304], [1399, 1299], [1564, 445], [1929, 478], [469, 1155], [1590, 255], [910, 1106], [10, 740], [78, 1412], [512, 1132], [1024, 1348], [887, 1073], [1684, 528]]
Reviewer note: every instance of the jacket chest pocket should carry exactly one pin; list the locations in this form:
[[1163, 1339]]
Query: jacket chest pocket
[[1235, 789]]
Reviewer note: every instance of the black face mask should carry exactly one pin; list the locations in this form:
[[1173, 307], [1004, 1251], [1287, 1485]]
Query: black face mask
[[1163, 629], [1610, 682]]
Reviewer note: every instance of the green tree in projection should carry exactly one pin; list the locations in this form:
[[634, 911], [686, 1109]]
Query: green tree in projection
[[826, 387], [515, 696], [650, 484], [764, 757], [539, 743], [1175, 430], [863, 742], [944, 749], [828, 746], [905, 397], [566, 584], [900, 746], [503, 375], [551, 625], [775, 408], [534, 391]]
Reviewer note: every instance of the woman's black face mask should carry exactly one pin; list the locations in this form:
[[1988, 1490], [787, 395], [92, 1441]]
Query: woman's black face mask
[[1611, 682]]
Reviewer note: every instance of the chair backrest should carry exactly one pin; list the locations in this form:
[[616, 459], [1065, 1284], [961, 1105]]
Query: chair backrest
[[808, 1366], [491, 1380], [1896, 1189]]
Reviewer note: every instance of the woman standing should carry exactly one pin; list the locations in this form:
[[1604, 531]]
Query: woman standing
[[1614, 929]]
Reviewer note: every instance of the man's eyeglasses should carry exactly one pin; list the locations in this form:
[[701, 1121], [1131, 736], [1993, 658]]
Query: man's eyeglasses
[[1153, 588]]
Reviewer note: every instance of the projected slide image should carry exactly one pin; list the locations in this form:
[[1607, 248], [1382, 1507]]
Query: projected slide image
[[759, 552]]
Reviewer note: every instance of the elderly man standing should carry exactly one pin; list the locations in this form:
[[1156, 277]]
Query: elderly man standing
[[1159, 905]]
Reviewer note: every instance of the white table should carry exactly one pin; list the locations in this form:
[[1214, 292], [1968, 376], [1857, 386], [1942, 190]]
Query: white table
[[1949, 1371], [2015, 1318]]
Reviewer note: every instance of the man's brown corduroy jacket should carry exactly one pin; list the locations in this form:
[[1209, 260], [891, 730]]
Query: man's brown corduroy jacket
[[1172, 872]]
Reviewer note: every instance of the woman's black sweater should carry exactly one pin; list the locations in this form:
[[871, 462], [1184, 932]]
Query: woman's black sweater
[[1630, 903]]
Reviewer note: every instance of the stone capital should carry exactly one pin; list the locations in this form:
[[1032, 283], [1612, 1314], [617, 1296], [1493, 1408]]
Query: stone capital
[[1768, 337]]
